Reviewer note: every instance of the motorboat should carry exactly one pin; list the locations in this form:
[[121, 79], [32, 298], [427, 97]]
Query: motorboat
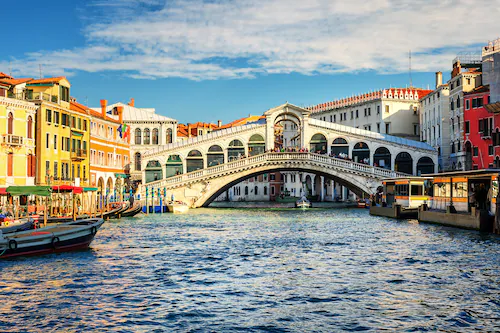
[[71, 236], [177, 207], [303, 203], [10, 226]]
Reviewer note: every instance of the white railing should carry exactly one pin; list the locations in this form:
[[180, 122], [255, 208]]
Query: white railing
[[257, 160]]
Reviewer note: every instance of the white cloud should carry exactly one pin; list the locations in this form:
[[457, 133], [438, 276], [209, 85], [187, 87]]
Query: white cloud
[[214, 39]]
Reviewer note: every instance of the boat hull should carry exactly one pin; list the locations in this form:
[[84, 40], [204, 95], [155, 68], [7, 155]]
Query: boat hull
[[177, 208]]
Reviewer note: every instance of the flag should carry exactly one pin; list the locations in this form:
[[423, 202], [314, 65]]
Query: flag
[[120, 131]]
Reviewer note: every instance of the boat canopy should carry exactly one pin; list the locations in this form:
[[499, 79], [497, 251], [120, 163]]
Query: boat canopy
[[43, 191], [67, 188]]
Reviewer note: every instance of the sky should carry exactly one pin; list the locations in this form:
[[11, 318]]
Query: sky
[[209, 60]]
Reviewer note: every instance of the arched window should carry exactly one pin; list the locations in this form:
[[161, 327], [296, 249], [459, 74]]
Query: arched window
[[147, 136], [155, 136], [215, 156], [458, 102], [235, 150], [30, 128], [10, 124], [137, 161], [194, 161], [318, 144], [138, 136], [256, 145], [265, 190], [10, 164], [246, 190], [361, 153], [339, 147], [169, 136], [153, 171], [256, 190], [174, 166]]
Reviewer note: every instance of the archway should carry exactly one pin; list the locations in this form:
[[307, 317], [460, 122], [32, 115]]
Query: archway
[[235, 150], [425, 165], [339, 148], [308, 185], [382, 158], [404, 163], [155, 136], [153, 171], [215, 156], [318, 144], [361, 153], [138, 136], [137, 161], [256, 145], [287, 131], [468, 156], [109, 187], [194, 161], [101, 191], [174, 166], [147, 136]]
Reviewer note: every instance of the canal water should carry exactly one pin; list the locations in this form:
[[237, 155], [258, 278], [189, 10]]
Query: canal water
[[260, 270]]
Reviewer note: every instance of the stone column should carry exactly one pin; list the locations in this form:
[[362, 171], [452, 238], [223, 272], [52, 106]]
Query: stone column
[[322, 179]]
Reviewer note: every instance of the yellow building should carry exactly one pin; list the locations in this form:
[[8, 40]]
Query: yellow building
[[62, 134], [17, 139]]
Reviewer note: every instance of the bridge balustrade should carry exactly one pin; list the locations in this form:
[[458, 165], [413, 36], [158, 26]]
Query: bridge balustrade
[[276, 156]]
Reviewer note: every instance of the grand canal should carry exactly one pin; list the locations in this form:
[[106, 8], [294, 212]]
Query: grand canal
[[226, 270]]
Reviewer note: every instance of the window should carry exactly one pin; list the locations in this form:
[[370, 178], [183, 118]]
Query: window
[[365, 112], [387, 109], [31, 171], [474, 103], [47, 168], [30, 128], [84, 173], [387, 128], [415, 110], [56, 171], [272, 190], [48, 115], [55, 142], [452, 105], [147, 136], [334, 118], [378, 109], [378, 127], [467, 127], [256, 190], [467, 104], [10, 124], [10, 164], [272, 176], [265, 190], [47, 138], [137, 136], [475, 151], [490, 150], [458, 102], [64, 93], [415, 129], [137, 159], [341, 117], [331, 118], [246, 190], [169, 136], [155, 136], [84, 124], [352, 114], [370, 111]]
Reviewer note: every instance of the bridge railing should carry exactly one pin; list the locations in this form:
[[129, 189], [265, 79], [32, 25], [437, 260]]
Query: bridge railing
[[278, 156]]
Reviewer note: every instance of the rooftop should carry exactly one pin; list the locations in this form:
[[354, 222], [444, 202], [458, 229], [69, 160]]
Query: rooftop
[[131, 113], [48, 80]]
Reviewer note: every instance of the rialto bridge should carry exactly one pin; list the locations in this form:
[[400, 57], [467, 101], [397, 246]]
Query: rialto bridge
[[199, 169]]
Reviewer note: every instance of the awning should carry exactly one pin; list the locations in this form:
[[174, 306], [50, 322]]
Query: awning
[[3, 191], [73, 133], [87, 189], [43, 191], [67, 188], [121, 175]]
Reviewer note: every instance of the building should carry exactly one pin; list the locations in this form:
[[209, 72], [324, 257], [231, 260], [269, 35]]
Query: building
[[435, 121], [491, 69], [17, 142], [465, 77], [62, 134], [148, 131], [109, 149], [393, 111], [479, 126]]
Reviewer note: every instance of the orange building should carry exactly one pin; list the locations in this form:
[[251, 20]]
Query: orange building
[[109, 149]]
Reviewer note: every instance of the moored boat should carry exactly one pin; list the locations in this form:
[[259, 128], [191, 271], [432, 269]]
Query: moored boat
[[132, 211], [71, 236], [177, 207], [10, 226], [303, 203]]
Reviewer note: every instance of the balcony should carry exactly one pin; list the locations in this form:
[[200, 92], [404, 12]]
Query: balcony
[[12, 140], [34, 96], [79, 154]]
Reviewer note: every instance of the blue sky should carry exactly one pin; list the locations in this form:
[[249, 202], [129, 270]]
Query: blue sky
[[199, 60]]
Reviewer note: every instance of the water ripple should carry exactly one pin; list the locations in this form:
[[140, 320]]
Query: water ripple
[[232, 270]]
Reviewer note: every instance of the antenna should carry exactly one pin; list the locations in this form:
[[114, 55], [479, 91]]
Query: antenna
[[10, 68], [409, 56], [40, 69]]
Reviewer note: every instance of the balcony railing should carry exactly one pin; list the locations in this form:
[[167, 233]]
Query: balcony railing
[[34, 96], [12, 140], [79, 154]]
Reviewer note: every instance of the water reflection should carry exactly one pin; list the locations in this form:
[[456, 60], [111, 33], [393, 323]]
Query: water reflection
[[260, 270]]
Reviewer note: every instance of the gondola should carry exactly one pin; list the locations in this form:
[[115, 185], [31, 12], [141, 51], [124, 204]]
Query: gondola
[[71, 236], [132, 211], [7, 227], [123, 207]]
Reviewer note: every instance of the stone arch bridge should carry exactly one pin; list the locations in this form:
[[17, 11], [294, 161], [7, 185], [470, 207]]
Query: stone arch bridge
[[197, 170]]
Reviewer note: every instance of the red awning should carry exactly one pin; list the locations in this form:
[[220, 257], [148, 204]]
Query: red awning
[[3, 191], [67, 188]]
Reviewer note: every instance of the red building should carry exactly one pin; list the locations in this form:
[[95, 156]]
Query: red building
[[480, 125]]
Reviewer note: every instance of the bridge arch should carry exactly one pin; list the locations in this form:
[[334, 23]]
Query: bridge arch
[[425, 165], [355, 183], [404, 163]]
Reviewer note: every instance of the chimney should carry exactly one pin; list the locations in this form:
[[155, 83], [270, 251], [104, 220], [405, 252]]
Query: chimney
[[189, 130], [439, 79], [219, 123], [104, 105], [119, 109], [132, 102]]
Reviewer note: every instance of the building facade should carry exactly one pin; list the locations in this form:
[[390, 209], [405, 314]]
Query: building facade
[[109, 153], [17, 130], [392, 111], [435, 121]]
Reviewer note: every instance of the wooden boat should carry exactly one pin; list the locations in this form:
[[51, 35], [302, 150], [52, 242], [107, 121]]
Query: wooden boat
[[123, 207], [10, 226], [132, 211], [65, 219], [177, 207], [71, 236], [303, 203]]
